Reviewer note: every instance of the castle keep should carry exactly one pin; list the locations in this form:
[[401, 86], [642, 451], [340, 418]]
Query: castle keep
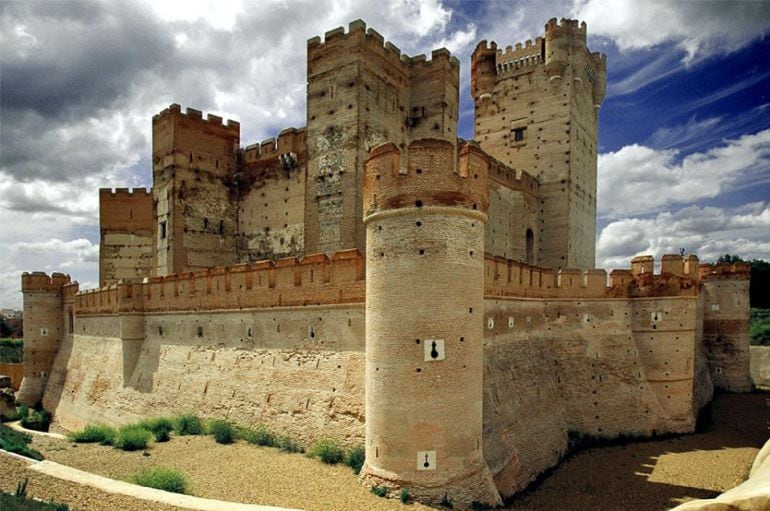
[[373, 278]]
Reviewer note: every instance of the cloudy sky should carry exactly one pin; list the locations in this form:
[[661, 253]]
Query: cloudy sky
[[684, 139]]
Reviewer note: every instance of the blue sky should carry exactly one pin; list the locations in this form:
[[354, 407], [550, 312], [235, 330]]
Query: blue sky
[[684, 136]]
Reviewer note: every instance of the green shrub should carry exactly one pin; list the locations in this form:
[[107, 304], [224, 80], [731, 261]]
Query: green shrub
[[21, 488], [355, 458], [11, 351], [132, 438], [327, 450], [188, 424], [162, 478], [259, 436], [759, 328], [286, 444], [100, 433], [9, 502], [380, 491], [38, 420], [222, 431], [446, 502], [404, 496], [16, 442], [160, 427], [23, 411]]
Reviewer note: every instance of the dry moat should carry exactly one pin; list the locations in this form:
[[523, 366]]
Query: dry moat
[[650, 475]]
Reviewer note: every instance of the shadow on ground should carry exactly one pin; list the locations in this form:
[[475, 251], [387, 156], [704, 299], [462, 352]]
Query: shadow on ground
[[659, 474]]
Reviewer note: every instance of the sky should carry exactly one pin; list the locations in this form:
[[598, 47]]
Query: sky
[[684, 137]]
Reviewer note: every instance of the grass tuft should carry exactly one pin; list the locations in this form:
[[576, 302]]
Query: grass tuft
[[222, 431], [328, 451], [160, 427], [132, 438], [162, 478], [355, 458], [286, 444], [259, 436], [17, 443], [100, 433], [188, 424], [380, 491]]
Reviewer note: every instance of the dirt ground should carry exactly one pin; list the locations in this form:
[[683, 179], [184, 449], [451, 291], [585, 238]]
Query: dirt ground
[[646, 476]]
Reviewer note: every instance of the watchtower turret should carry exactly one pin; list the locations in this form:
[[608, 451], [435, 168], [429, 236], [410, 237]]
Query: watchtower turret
[[424, 309]]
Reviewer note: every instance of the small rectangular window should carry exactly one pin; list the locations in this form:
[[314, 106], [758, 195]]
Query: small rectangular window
[[518, 134], [162, 230]]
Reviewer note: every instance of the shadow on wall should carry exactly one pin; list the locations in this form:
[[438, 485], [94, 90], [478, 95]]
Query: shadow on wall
[[659, 474]]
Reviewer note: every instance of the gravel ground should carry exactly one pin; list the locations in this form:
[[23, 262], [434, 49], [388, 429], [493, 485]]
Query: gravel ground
[[645, 476], [80, 498], [660, 474]]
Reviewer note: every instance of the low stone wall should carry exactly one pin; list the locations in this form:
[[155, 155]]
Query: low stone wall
[[760, 366], [15, 371]]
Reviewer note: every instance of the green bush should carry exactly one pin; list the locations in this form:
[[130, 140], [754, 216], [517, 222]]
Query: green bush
[[328, 451], [38, 420], [380, 491], [222, 431], [259, 436], [162, 478], [100, 433], [16, 442], [355, 458], [404, 496], [11, 351], [188, 424], [286, 444], [132, 438], [446, 502], [10, 502], [160, 427], [759, 329]]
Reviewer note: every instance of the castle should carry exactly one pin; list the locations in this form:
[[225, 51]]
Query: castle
[[373, 278]]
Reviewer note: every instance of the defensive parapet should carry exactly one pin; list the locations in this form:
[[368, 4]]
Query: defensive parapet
[[44, 329], [275, 156], [516, 279], [436, 175], [725, 291], [336, 41], [424, 313], [315, 279]]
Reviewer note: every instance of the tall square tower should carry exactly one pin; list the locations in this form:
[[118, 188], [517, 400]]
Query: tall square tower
[[536, 108]]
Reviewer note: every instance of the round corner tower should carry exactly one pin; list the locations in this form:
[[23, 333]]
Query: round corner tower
[[44, 329], [424, 330]]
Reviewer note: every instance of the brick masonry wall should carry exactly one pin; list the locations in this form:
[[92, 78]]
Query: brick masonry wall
[[126, 229]]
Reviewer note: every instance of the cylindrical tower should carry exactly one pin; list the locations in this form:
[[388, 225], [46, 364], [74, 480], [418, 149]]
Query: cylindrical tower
[[483, 62], [424, 331], [562, 42], [44, 330]]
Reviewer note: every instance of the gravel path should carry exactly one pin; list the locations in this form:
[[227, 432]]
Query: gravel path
[[646, 476]]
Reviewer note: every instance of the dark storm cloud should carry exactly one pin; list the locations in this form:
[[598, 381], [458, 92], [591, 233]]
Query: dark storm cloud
[[61, 56]]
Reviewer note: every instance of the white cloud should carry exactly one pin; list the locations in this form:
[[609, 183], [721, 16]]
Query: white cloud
[[705, 231], [699, 29], [638, 179]]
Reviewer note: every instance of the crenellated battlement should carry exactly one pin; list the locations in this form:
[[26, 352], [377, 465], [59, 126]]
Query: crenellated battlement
[[312, 280], [336, 41], [520, 57], [504, 277], [289, 140], [117, 193], [437, 174], [565, 28], [39, 281], [740, 271], [196, 116]]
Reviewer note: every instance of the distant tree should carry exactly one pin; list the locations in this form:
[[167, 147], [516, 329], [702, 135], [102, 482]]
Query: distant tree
[[760, 284], [730, 258], [759, 289], [5, 328]]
